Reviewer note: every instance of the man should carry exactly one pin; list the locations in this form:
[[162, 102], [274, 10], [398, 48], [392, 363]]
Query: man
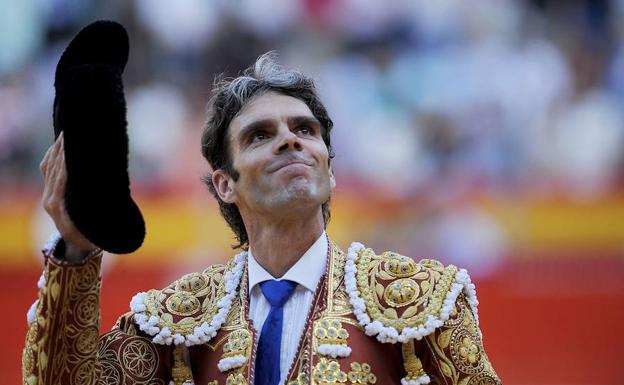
[[292, 309]]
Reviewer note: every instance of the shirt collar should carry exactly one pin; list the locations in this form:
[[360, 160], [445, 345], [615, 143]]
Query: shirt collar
[[306, 272]]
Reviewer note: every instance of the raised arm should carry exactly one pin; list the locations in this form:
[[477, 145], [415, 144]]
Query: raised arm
[[63, 345]]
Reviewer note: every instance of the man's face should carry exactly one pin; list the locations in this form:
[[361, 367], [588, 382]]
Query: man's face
[[282, 160]]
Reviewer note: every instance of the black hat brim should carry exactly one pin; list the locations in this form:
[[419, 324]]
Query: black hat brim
[[90, 109]]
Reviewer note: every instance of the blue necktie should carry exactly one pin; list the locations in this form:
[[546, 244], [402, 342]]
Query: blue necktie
[[268, 354]]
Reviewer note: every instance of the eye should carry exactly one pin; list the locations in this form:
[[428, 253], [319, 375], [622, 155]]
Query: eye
[[259, 136], [305, 130]]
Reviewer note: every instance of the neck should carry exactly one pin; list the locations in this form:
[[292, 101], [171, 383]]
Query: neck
[[278, 245]]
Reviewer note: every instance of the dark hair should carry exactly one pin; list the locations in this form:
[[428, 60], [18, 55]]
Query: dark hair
[[230, 95]]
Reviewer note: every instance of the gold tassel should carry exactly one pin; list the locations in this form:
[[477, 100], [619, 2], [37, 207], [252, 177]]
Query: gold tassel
[[412, 364], [181, 372]]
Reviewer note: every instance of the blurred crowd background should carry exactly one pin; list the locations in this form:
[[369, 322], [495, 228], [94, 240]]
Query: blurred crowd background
[[489, 134]]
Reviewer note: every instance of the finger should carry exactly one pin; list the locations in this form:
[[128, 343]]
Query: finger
[[57, 163], [56, 146], [45, 162], [61, 180], [57, 182], [51, 154], [43, 166]]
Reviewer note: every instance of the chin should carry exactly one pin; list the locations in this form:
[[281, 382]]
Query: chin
[[306, 192], [299, 189]]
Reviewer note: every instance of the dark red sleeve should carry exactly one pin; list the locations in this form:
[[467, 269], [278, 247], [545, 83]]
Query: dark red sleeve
[[63, 345]]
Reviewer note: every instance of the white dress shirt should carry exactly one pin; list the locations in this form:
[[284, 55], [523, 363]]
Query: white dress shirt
[[307, 273]]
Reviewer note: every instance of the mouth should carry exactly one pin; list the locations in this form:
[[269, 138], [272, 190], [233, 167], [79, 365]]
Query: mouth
[[280, 164]]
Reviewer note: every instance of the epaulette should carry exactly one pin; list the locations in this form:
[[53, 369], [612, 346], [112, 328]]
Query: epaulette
[[190, 310], [397, 299]]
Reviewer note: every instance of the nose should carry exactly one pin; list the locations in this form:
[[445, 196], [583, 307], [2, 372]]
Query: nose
[[288, 141]]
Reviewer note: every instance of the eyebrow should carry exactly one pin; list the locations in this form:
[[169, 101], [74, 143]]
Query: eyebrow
[[265, 123], [252, 127], [303, 120]]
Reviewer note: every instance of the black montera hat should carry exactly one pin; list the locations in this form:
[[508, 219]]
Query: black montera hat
[[89, 107]]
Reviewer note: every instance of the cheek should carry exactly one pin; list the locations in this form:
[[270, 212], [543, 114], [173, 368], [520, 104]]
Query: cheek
[[250, 172]]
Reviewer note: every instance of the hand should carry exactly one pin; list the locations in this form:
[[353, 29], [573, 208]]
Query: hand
[[54, 175]]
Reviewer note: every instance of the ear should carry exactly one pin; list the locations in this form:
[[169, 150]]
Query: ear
[[223, 184], [332, 179]]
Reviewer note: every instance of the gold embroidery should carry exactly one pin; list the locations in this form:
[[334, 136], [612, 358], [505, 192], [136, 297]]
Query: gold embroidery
[[464, 348], [111, 370], [337, 299], [192, 298], [70, 298], [235, 379], [87, 341], [302, 379], [303, 362], [233, 320], [328, 331], [432, 264], [401, 292], [182, 303], [327, 372], [213, 382], [468, 351], [458, 349], [398, 266], [238, 343], [139, 358], [412, 364], [111, 374], [338, 305], [180, 372], [193, 283], [88, 274], [87, 310], [236, 317], [484, 379], [426, 288], [361, 374], [239, 340], [28, 359], [333, 304], [84, 373]]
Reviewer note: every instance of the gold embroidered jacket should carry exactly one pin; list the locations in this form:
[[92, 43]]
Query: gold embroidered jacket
[[375, 319]]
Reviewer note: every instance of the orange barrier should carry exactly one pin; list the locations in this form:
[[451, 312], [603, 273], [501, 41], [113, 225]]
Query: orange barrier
[[185, 225]]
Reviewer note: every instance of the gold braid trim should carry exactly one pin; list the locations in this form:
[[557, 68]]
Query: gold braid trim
[[411, 363], [180, 372]]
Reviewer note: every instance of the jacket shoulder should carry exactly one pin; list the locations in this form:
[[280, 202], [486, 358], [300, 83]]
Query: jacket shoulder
[[398, 298], [176, 313]]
